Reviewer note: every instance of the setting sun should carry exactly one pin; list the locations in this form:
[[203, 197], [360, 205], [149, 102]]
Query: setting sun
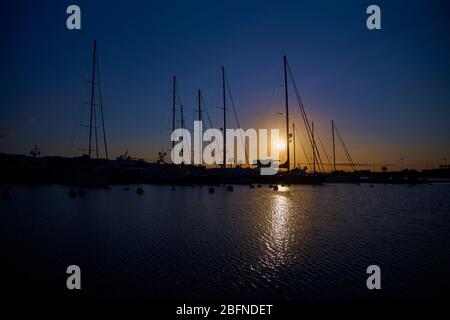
[[281, 145]]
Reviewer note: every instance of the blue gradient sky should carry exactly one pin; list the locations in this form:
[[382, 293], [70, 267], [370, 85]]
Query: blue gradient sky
[[387, 90]]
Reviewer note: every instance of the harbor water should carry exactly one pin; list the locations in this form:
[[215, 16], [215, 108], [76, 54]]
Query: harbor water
[[183, 242]]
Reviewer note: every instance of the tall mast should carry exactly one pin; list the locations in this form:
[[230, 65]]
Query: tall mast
[[293, 138], [200, 119], [95, 131], [224, 120], [199, 105], [182, 117], [287, 113], [92, 97], [334, 148], [174, 88], [314, 149], [101, 108], [182, 125]]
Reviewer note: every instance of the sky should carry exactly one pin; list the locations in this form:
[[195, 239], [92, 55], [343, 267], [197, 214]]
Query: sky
[[387, 90]]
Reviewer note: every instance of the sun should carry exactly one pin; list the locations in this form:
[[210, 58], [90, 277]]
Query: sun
[[281, 145]]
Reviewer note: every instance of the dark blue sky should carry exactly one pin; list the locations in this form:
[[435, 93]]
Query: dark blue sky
[[387, 90]]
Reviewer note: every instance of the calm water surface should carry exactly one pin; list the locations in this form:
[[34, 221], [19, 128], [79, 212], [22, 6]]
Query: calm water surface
[[301, 242]]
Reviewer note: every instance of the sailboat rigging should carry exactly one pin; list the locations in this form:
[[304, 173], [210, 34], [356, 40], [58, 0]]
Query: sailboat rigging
[[93, 110]]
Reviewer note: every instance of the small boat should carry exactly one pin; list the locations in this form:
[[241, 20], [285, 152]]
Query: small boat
[[72, 193]]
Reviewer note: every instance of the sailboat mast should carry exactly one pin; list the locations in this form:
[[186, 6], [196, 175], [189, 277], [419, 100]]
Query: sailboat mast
[[182, 125], [334, 148], [101, 107], [224, 120], [174, 88], [200, 119], [287, 113], [314, 149], [199, 105], [92, 97], [293, 138], [95, 130], [182, 117]]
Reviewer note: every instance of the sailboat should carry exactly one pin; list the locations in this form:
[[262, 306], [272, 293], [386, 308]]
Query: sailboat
[[341, 176], [296, 176], [235, 173], [89, 170]]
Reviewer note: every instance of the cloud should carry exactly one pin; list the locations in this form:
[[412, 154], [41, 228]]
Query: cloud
[[30, 120], [6, 133]]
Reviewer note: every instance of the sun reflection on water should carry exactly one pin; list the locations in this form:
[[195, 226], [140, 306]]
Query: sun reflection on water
[[280, 212], [278, 230]]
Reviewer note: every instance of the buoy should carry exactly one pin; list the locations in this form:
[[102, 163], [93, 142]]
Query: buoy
[[173, 188], [81, 193], [271, 186], [252, 186], [230, 188], [371, 185], [259, 186], [140, 190], [72, 193], [211, 190], [275, 188]]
